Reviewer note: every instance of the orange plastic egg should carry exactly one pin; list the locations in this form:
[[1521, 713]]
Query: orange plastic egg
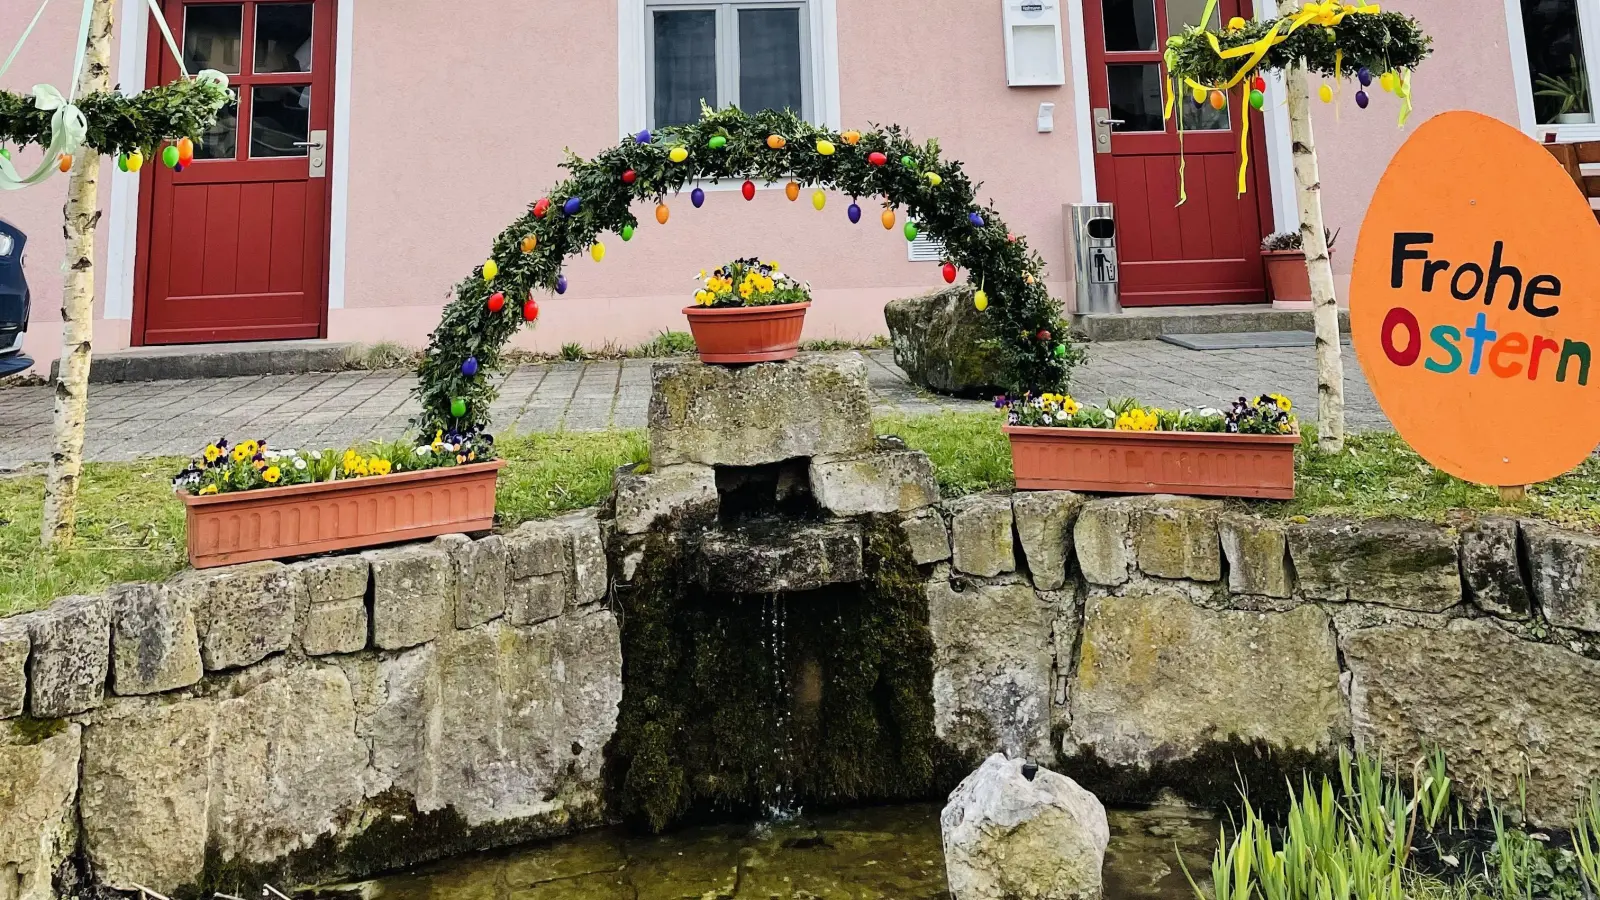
[[851, 137], [528, 243], [776, 141], [792, 190], [1218, 100], [185, 151], [888, 219], [65, 162], [662, 213]]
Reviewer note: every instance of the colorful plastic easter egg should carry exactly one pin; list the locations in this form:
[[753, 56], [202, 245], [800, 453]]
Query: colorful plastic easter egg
[[598, 251], [572, 206], [697, 197], [912, 231], [851, 137], [1218, 100], [948, 270], [908, 161], [630, 176], [490, 269], [169, 156], [717, 142], [876, 159], [854, 212], [776, 141], [1364, 76], [64, 162], [561, 284], [980, 300], [678, 154], [1259, 83], [662, 213], [642, 137], [530, 310], [1326, 93], [1043, 335], [185, 151], [135, 161], [469, 366], [122, 162], [1061, 351], [541, 207], [825, 148], [888, 220], [627, 233], [935, 179], [1257, 99], [1361, 99], [975, 219], [792, 191], [4, 153], [748, 189], [179, 167], [529, 242], [1199, 94], [458, 407], [819, 199], [1389, 80]]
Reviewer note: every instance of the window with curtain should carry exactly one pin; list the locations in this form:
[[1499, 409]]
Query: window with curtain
[[1558, 62], [754, 55]]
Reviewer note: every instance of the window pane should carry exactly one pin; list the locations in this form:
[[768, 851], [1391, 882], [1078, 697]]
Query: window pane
[[1130, 24], [769, 60], [686, 65], [1555, 59], [280, 115], [211, 38], [1183, 13], [283, 38], [221, 141], [1203, 116], [1136, 96]]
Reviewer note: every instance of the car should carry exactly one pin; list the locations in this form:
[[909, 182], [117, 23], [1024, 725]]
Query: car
[[14, 300]]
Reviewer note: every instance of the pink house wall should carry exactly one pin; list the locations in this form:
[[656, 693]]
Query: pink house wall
[[458, 121]]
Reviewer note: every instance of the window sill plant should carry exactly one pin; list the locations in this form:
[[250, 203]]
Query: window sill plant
[[248, 502], [1287, 276], [1246, 450], [748, 311]]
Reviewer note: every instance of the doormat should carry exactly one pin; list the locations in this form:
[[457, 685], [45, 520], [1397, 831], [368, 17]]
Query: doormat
[[1242, 340]]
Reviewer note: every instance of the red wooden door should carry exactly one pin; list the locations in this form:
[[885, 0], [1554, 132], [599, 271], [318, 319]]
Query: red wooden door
[[1207, 250], [235, 246]]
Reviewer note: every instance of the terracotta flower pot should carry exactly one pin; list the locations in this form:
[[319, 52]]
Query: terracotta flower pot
[[1153, 462], [747, 334], [1288, 278], [303, 519]]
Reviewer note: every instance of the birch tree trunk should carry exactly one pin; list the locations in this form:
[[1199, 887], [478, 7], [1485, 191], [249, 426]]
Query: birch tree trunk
[[77, 303], [1324, 305]]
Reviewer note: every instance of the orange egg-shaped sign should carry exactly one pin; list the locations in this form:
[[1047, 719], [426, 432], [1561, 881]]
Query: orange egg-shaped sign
[[1475, 303]]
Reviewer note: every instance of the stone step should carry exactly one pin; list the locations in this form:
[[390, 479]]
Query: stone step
[[185, 361], [1150, 323]]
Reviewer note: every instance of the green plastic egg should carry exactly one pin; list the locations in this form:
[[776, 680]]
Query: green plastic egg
[[717, 142], [627, 232], [458, 407], [912, 231], [169, 156]]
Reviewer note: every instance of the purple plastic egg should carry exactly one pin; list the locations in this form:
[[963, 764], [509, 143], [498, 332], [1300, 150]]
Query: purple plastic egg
[[975, 219], [470, 367], [642, 137], [698, 198], [1361, 99], [855, 213], [561, 284], [572, 206], [1365, 76]]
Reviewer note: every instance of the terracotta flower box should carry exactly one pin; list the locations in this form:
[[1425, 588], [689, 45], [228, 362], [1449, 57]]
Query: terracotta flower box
[[1154, 462], [747, 334], [304, 519]]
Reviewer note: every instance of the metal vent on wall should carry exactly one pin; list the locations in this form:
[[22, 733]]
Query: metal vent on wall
[[925, 249]]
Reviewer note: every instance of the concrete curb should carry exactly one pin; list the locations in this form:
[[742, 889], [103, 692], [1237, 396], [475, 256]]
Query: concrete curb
[[1151, 324], [216, 361]]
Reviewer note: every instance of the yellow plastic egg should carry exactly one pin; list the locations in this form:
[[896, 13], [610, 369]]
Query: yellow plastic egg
[[598, 251], [135, 161], [819, 199], [935, 179], [490, 270], [1326, 93], [678, 154], [1236, 23], [1199, 94], [825, 148], [980, 300], [1388, 80]]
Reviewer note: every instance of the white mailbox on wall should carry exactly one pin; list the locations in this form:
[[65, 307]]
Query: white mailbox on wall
[[1033, 43]]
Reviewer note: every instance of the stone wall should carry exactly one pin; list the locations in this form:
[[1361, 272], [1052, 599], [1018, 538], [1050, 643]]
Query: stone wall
[[1144, 633], [329, 717]]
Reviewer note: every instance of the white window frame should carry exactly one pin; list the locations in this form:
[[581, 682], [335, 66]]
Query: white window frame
[[1522, 71], [636, 55]]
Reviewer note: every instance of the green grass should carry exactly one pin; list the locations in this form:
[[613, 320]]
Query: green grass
[[131, 527]]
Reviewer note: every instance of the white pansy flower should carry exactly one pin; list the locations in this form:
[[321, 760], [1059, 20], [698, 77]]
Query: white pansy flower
[[300, 464]]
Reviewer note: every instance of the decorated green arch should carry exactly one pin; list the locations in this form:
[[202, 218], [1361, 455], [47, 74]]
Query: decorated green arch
[[596, 201]]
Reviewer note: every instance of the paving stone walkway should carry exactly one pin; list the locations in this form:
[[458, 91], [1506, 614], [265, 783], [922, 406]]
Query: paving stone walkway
[[174, 418]]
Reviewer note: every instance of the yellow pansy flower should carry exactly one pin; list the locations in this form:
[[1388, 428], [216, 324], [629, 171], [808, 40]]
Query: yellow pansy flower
[[271, 475], [212, 452], [380, 466], [208, 489]]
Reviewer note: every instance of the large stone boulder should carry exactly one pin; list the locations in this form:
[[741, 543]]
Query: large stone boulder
[[773, 559], [993, 666], [1013, 831], [1158, 678], [810, 406], [940, 342], [889, 481], [38, 802], [1485, 697]]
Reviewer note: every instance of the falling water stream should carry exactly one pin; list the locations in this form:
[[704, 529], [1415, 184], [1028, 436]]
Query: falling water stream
[[883, 853]]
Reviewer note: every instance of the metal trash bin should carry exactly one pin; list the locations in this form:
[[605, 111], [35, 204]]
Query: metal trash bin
[[1093, 233]]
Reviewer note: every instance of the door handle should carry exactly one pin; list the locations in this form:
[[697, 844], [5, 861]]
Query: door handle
[[316, 144], [1102, 128], [317, 154], [1105, 122]]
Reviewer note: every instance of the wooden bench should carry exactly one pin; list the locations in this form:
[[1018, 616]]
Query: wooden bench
[[1572, 157]]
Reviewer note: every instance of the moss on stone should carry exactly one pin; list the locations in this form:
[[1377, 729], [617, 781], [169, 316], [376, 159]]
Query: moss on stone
[[714, 722], [27, 731]]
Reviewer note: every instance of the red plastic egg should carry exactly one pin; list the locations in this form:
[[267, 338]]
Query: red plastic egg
[[542, 207], [949, 273], [877, 159], [749, 190], [497, 301], [530, 310], [630, 176]]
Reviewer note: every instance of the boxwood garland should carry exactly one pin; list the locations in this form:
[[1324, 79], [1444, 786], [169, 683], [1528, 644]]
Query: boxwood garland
[[1035, 350], [1381, 42], [118, 123]]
